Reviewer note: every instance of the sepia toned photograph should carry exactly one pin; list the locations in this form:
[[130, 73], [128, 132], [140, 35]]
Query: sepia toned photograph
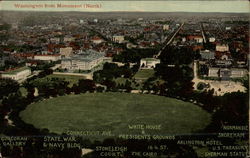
[[124, 79]]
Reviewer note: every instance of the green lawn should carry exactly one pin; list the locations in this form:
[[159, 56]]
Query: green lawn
[[72, 79], [121, 80], [114, 112], [144, 74], [23, 91]]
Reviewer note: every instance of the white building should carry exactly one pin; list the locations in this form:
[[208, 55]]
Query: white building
[[198, 39], [228, 28], [68, 39], [165, 27], [222, 48], [224, 57], [211, 39], [238, 72], [207, 54], [149, 63], [139, 19], [66, 52], [227, 73], [131, 45], [82, 21], [14, 26], [97, 40], [83, 61], [54, 57], [118, 39], [213, 72], [55, 40], [17, 74]]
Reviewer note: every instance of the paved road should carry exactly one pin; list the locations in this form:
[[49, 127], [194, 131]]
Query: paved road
[[169, 40], [203, 35], [87, 76]]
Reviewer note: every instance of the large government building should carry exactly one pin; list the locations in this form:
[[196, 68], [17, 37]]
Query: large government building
[[86, 60], [17, 74]]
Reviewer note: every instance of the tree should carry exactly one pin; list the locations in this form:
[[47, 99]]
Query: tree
[[178, 79], [86, 85], [50, 86], [177, 55], [75, 89], [134, 55], [128, 86], [8, 86], [201, 86], [99, 89], [203, 70], [111, 85]]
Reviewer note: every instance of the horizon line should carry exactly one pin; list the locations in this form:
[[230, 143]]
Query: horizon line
[[123, 11]]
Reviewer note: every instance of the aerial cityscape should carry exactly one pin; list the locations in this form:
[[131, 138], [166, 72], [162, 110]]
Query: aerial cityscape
[[132, 84]]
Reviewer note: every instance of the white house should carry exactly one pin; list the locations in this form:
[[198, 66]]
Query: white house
[[17, 74], [149, 63]]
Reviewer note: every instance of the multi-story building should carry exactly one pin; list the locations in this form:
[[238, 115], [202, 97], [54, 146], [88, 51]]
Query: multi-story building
[[207, 55], [222, 48], [118, 39], [48, 57], [211, 39], [97, 40], [235, 72], [55, 40], [83, 61], [66, 52], [165, 27], [227, 73], [68, 39], [213, 72], [17, 74]]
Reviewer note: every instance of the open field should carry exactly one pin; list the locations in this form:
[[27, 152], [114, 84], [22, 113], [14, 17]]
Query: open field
[[144, 74], [115, 112], [70, 78], [23, 91], [121, 80]]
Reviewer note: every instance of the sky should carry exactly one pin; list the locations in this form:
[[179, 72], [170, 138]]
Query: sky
[[233, 6]]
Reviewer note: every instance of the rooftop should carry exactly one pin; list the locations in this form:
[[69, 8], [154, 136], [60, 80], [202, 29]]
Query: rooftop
[[150, 59], [86, 56], [16, 70]]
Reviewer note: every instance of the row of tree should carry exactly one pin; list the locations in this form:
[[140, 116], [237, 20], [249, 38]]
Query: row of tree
[[134, 55]]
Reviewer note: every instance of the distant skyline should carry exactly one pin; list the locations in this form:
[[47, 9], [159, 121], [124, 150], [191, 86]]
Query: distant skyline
[[233, 6]]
